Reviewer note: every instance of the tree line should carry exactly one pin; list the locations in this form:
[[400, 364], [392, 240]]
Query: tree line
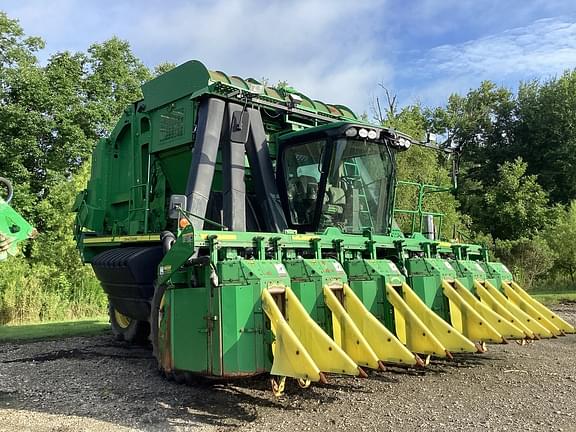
[[517, 176]]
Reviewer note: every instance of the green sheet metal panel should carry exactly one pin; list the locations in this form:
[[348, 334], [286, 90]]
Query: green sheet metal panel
[[425, 276], [181, 81], [173, 125], [497, 273], [308, 278], [368, 279], [244, 332], [468, 271], [190, 334]]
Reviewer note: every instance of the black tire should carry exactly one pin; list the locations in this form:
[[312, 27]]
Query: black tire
[[9, 190], [127, 329], [154, 323]]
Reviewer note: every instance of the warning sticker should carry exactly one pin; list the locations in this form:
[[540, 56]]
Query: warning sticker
[[393, 267], [338, 267], [448, 266], [281, 270]]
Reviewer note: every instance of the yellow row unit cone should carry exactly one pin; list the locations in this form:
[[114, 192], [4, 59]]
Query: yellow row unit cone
[[421, 329], [347, 334], [382, 341], [541, 314], [495, 305], [451, 339], [559, 322], [537, 329], [507, 329], [302, 349], [466, 319]]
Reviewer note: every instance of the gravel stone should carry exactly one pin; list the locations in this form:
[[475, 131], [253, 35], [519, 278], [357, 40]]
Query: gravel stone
[[98, 384]]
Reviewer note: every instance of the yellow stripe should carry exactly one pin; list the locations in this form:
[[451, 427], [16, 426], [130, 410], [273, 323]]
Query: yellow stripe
[[303, 237], [220, 236], [445, 244], [122, 239]]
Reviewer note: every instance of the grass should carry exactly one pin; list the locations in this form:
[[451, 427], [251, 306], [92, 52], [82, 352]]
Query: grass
[[54, 329], [554, 297]]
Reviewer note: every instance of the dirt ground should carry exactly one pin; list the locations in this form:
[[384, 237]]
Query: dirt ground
[[97, 384]]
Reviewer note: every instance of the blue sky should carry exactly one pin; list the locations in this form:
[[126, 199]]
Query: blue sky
[[338, 51]]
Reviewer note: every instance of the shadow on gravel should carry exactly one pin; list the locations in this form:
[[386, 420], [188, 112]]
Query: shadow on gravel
[[116, 382], [78, 354]]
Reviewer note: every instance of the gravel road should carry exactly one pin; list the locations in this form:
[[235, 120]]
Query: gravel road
[[98, 384]]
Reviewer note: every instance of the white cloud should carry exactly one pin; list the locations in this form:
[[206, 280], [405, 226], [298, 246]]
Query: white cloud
[[324, 48], [544, 48], [333, 50]]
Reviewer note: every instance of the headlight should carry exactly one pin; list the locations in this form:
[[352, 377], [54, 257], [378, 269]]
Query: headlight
[[351, 132], [363, 133], [404, 143], [372, 134]]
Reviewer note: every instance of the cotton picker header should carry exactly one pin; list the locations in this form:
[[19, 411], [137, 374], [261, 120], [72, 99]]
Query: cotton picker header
[[250, 229]]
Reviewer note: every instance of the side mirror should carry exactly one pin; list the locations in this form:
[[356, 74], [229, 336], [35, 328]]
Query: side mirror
[[177, 203]]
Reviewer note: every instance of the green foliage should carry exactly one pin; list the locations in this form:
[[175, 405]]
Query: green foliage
[[423, 165], [163, 68], [518, 167], [561, 236], [51, 283], [515, 205], [50, 118], [545, 134], [527, 258], [518, 163], [480, 123], [58, 329]]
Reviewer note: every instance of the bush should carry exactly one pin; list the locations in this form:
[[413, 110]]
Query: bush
[[39, 293], [526, 258]]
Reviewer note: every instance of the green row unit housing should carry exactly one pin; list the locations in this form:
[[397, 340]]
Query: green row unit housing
[[222, 331]]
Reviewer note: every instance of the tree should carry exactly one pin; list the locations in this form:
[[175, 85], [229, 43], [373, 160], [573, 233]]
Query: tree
[[421, 165], [515, 206], [113, 80], [527, 258], [561, 237], [163, 68], [546, 136], [50, 119], [481, 125]]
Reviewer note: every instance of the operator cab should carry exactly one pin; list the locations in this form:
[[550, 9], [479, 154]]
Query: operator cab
[[339, 174]]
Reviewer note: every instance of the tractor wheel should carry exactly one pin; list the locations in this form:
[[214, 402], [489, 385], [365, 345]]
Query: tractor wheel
[[9, 189], [160, 339], [128, 329]]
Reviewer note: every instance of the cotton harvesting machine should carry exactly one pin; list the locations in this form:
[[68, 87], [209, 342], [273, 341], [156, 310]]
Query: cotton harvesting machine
[[13, 228], [246, 229]]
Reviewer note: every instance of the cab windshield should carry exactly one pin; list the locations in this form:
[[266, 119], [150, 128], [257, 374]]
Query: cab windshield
[[346, 184]]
